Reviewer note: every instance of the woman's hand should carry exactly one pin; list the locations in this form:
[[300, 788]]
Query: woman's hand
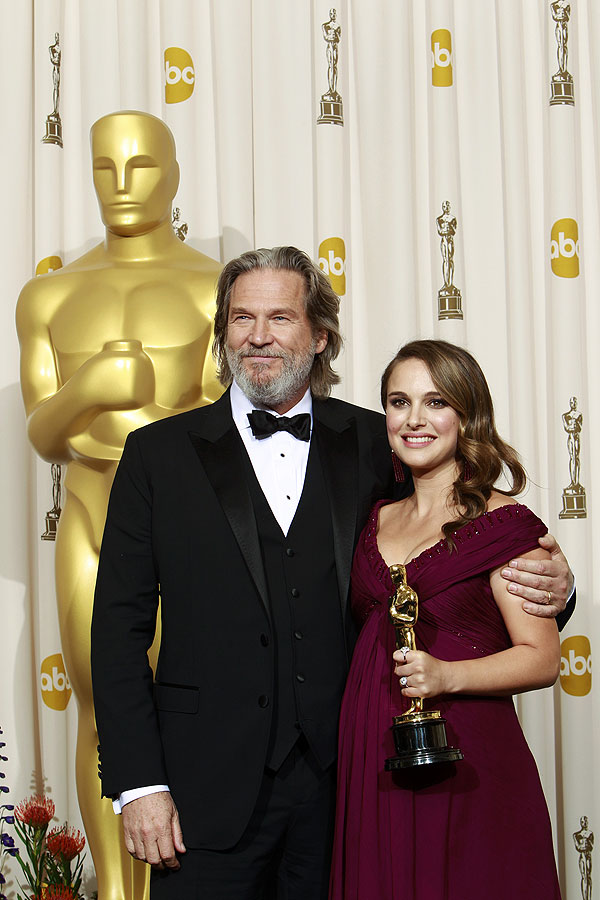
[[425, 675]]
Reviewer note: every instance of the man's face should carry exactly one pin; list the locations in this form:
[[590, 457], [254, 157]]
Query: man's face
[[135, 173], [270, 342]]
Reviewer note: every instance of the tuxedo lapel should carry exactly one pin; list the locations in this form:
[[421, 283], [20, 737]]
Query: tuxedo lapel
[[337, 442], [220, 448]]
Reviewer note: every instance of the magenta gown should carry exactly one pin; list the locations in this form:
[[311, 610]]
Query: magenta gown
[[474, 829]]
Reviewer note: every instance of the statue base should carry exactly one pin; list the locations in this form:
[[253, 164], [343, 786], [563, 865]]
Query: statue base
[[563, 90], [52, 518], [332, 110], [420, 739], [449, 303], [573, 503], [53, 130]]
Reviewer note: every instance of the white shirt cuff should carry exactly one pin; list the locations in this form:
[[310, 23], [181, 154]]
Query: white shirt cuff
[[134, 794]]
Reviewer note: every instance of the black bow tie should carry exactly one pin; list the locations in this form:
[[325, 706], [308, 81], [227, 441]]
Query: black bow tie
[[263, 424]]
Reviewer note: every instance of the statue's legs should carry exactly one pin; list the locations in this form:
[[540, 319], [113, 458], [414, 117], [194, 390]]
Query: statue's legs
[[119, 876]]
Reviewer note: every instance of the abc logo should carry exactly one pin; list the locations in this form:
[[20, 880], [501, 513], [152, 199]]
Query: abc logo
[[576, 666], [56, 689], [179, 75], [332, 260], [48, 264], [441, 58], [564, 248]]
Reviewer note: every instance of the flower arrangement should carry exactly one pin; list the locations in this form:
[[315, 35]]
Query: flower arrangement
[[51, 859]]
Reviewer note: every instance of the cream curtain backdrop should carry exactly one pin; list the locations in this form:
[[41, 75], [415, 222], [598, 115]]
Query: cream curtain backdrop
[[462, 115]]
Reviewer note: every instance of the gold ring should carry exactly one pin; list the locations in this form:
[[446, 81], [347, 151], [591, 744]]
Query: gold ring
[[549, 596]]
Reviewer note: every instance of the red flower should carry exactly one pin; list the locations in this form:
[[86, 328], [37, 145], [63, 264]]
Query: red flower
[[57, 892], [36, 811], [65, 841]]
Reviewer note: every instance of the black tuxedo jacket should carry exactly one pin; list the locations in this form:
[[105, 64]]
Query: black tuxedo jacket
[[181, 523]]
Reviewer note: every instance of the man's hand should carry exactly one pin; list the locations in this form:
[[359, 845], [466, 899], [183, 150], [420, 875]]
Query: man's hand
[[152, 830], [544, 584]]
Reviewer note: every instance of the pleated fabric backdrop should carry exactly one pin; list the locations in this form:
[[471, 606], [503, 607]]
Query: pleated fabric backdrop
[[424, 102]]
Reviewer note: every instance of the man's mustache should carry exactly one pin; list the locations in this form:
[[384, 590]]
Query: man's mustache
[[244, 354]]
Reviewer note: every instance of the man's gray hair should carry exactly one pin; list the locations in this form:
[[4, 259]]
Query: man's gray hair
[[321, 303]]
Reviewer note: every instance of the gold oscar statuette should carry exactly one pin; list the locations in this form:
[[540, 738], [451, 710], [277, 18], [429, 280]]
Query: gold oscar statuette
[[53, 515], [574, 505], [180, 228], [53, 122], [419, 735], [561, 83], [584, 844], [118, 338], [332, 110], [449, 297]]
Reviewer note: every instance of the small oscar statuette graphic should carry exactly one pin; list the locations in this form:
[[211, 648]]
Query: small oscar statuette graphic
[[180, 228], [332, 110], [561, 84], [53, 515], [449, 299], [419, 735], [584, 844], [574, 495], [53, 123]]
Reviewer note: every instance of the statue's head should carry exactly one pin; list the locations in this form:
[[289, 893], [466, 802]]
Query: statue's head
[[136, 174], [446, 206], [573, 402], [332, 14]]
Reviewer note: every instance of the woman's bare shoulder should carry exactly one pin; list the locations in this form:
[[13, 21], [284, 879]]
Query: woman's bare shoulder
[[497, 499]]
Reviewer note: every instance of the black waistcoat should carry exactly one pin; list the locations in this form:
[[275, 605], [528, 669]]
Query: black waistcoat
[[306, 619]]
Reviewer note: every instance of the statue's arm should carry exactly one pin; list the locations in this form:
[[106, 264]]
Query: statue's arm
[[57, 411], [54, 411]]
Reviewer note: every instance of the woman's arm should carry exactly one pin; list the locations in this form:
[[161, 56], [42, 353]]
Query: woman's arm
[[532, 662]]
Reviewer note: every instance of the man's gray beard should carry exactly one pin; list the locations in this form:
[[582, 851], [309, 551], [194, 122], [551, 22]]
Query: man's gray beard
[[279, 389]]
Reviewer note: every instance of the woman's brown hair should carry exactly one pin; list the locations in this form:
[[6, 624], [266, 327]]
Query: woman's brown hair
[[481, 453]]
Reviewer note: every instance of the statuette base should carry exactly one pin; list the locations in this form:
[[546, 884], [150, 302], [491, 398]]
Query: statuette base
[[574, 506], [332, 111], [420, 740], [53, 130], [52, 518], [449, 303], [563, 90]]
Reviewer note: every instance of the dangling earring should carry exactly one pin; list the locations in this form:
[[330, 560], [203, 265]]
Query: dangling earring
[[467, 471], [398, 468]]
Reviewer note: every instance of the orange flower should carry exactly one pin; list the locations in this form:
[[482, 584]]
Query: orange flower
[[65, 841], [36, 811], [57, 892]]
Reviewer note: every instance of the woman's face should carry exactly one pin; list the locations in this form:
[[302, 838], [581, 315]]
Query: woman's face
[[422, 427]]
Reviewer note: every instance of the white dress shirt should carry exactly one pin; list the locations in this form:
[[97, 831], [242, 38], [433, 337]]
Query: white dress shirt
[[279, 462]]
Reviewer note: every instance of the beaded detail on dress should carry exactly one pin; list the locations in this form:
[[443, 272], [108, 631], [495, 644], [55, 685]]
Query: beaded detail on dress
[[475, 527]]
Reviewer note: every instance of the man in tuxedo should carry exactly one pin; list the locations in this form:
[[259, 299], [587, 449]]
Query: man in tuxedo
[[244, 516]]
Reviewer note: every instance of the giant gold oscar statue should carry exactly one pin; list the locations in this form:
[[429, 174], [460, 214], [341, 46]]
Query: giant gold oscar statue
[[117, 338]]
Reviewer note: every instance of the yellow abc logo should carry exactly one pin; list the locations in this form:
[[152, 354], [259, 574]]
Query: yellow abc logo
[[48, 264], [441, 58], [332, 260], [564, 248], [56, 688], [179, 75], [576, 665]]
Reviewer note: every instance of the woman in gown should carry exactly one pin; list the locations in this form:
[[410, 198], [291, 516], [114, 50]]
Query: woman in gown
[[478, 828]]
